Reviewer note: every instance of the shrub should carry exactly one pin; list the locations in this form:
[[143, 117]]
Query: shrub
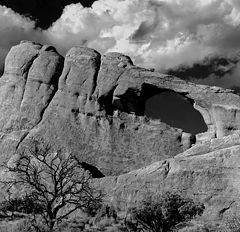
[[163, 213], [26, 204], [107, 212]]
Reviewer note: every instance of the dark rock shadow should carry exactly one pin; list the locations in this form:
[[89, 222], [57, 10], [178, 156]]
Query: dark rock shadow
[[93, 170]]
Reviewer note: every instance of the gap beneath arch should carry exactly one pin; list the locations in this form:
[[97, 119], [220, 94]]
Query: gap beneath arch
[[175, 110]]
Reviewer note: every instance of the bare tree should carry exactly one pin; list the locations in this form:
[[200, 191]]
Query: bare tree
[[55, 181]]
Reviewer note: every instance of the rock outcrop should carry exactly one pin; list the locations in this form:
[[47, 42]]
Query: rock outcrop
[[29, 83], [208, 172], [94, 106]]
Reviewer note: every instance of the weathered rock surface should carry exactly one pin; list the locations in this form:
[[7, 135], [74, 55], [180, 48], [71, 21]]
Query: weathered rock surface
[[208, 172], [28, 85], [94, 106], [81, 118]]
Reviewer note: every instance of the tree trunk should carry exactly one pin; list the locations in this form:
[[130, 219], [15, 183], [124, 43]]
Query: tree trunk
[[52, 223]]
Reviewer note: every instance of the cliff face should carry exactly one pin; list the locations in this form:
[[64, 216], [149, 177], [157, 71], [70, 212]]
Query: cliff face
[[94, 106]]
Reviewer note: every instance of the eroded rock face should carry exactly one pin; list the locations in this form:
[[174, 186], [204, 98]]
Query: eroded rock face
[[208, 172], [28, 85], [82, 119], [94, 105]]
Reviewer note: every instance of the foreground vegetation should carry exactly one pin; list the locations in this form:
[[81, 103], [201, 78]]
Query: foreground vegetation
[[46, 191], [164, 213], [48, 186]]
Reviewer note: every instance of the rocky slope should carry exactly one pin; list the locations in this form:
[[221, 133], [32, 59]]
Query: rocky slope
[[208, 172], [94, 106]]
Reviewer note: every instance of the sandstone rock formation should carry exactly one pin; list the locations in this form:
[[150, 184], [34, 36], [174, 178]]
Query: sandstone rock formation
[[208, 172], [94, 106]]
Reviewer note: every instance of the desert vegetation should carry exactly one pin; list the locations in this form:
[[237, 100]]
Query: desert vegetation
[[44, 190], [47, 185], [163, 213]]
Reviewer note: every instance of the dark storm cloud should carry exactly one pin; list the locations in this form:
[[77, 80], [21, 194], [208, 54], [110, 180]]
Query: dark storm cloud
[[210, 65], [219, 70]]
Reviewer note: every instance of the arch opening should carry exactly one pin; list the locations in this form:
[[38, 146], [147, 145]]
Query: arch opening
[[174, 110]]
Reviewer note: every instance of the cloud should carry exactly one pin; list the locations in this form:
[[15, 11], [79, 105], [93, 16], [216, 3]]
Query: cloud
[[155, 33], [230, 80], [79, 26], [221, 70], [42, 11]]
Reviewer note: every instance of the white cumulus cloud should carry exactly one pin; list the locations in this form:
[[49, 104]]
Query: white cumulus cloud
[[154, 33]]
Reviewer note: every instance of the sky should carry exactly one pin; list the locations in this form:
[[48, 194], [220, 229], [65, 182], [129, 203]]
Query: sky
[[160, 34]]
